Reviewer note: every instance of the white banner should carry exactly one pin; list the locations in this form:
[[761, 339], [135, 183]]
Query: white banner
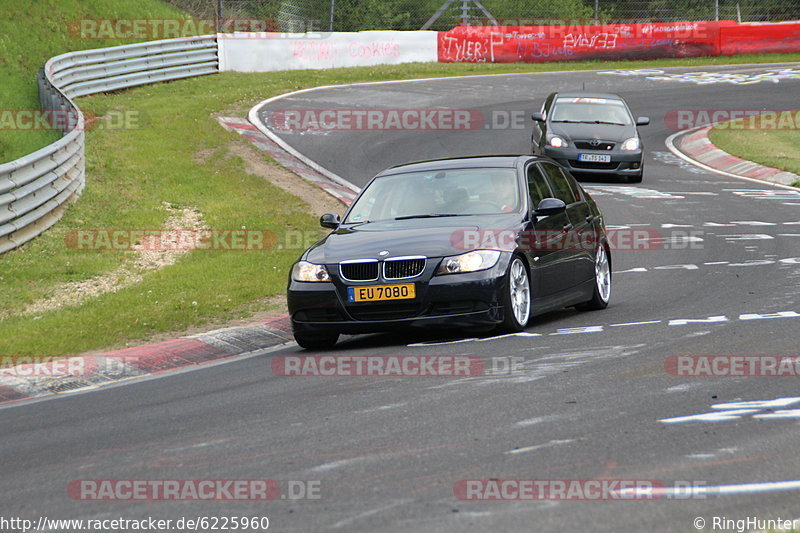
[[267, 52]]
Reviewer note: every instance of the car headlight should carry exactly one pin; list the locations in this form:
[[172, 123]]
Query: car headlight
[[557, 142], [305, 271], [469, 262], [631, 144]]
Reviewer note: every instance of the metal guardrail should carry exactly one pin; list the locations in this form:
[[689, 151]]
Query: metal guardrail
[[36, 189]]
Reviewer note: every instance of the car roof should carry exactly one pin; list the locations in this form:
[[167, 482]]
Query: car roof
[[480, 161], [607, 96]]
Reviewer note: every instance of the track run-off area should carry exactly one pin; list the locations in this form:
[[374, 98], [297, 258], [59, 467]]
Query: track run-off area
[[577, 396]]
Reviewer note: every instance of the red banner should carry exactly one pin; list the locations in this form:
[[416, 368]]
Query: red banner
[[760, 39], [566, 42]]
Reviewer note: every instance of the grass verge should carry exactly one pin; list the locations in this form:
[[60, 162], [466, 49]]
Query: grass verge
[[180, 155], [773, 148], [33, 32]]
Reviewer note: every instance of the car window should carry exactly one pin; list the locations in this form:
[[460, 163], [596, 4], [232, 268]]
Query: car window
[[573, 184], [469, 191], [537, 186], [591, 110], [561, 185]]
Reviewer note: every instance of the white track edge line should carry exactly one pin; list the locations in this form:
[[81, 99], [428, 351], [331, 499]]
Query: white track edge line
[[252, 116]]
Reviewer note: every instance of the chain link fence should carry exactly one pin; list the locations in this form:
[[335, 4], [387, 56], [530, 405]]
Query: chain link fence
[[355, 15]]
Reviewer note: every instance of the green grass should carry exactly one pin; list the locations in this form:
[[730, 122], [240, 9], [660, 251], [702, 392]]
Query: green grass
[[773, 148], [33, 31], [130, 172]]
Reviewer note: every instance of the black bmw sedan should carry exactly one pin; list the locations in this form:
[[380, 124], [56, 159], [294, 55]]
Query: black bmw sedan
[[478, 241], [590, 133]]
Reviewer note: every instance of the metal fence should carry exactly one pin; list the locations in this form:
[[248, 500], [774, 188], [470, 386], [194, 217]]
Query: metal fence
[[355, 15], [35, 189]]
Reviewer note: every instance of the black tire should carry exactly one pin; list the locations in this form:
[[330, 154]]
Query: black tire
[[517, 273], [597, 301], [316, 341]]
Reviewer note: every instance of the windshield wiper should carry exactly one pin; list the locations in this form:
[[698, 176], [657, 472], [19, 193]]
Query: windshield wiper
[[432, 215], [590, 122]]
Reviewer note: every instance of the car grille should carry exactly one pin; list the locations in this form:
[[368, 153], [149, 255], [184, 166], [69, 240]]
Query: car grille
[[384, 312], [586, 145], [454, 308], [592, 164], [408, 267], [359, 271], [396, 268], [318, 315]]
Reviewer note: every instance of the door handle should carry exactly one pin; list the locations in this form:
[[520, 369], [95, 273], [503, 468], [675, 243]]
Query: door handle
[[590, 219], [568, 226]]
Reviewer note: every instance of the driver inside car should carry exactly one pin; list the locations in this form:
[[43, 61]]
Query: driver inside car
[[505, 193]]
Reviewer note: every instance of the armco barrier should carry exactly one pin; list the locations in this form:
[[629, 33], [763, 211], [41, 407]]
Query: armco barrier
[[269, 52], [35, 189], [539, 44]]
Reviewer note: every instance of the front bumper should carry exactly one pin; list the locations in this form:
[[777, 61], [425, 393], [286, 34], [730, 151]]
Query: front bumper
[[454, 300], [622, 163]]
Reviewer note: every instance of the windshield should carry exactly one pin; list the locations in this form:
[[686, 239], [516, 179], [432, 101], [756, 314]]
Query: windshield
[[456, 192], [591, 110]]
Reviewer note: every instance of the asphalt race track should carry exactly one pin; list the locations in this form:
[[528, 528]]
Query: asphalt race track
[[591, 399]]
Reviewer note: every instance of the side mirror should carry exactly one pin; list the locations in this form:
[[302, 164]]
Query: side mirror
[[538, 117], [550, 206], [329, 220], [642, 121]]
